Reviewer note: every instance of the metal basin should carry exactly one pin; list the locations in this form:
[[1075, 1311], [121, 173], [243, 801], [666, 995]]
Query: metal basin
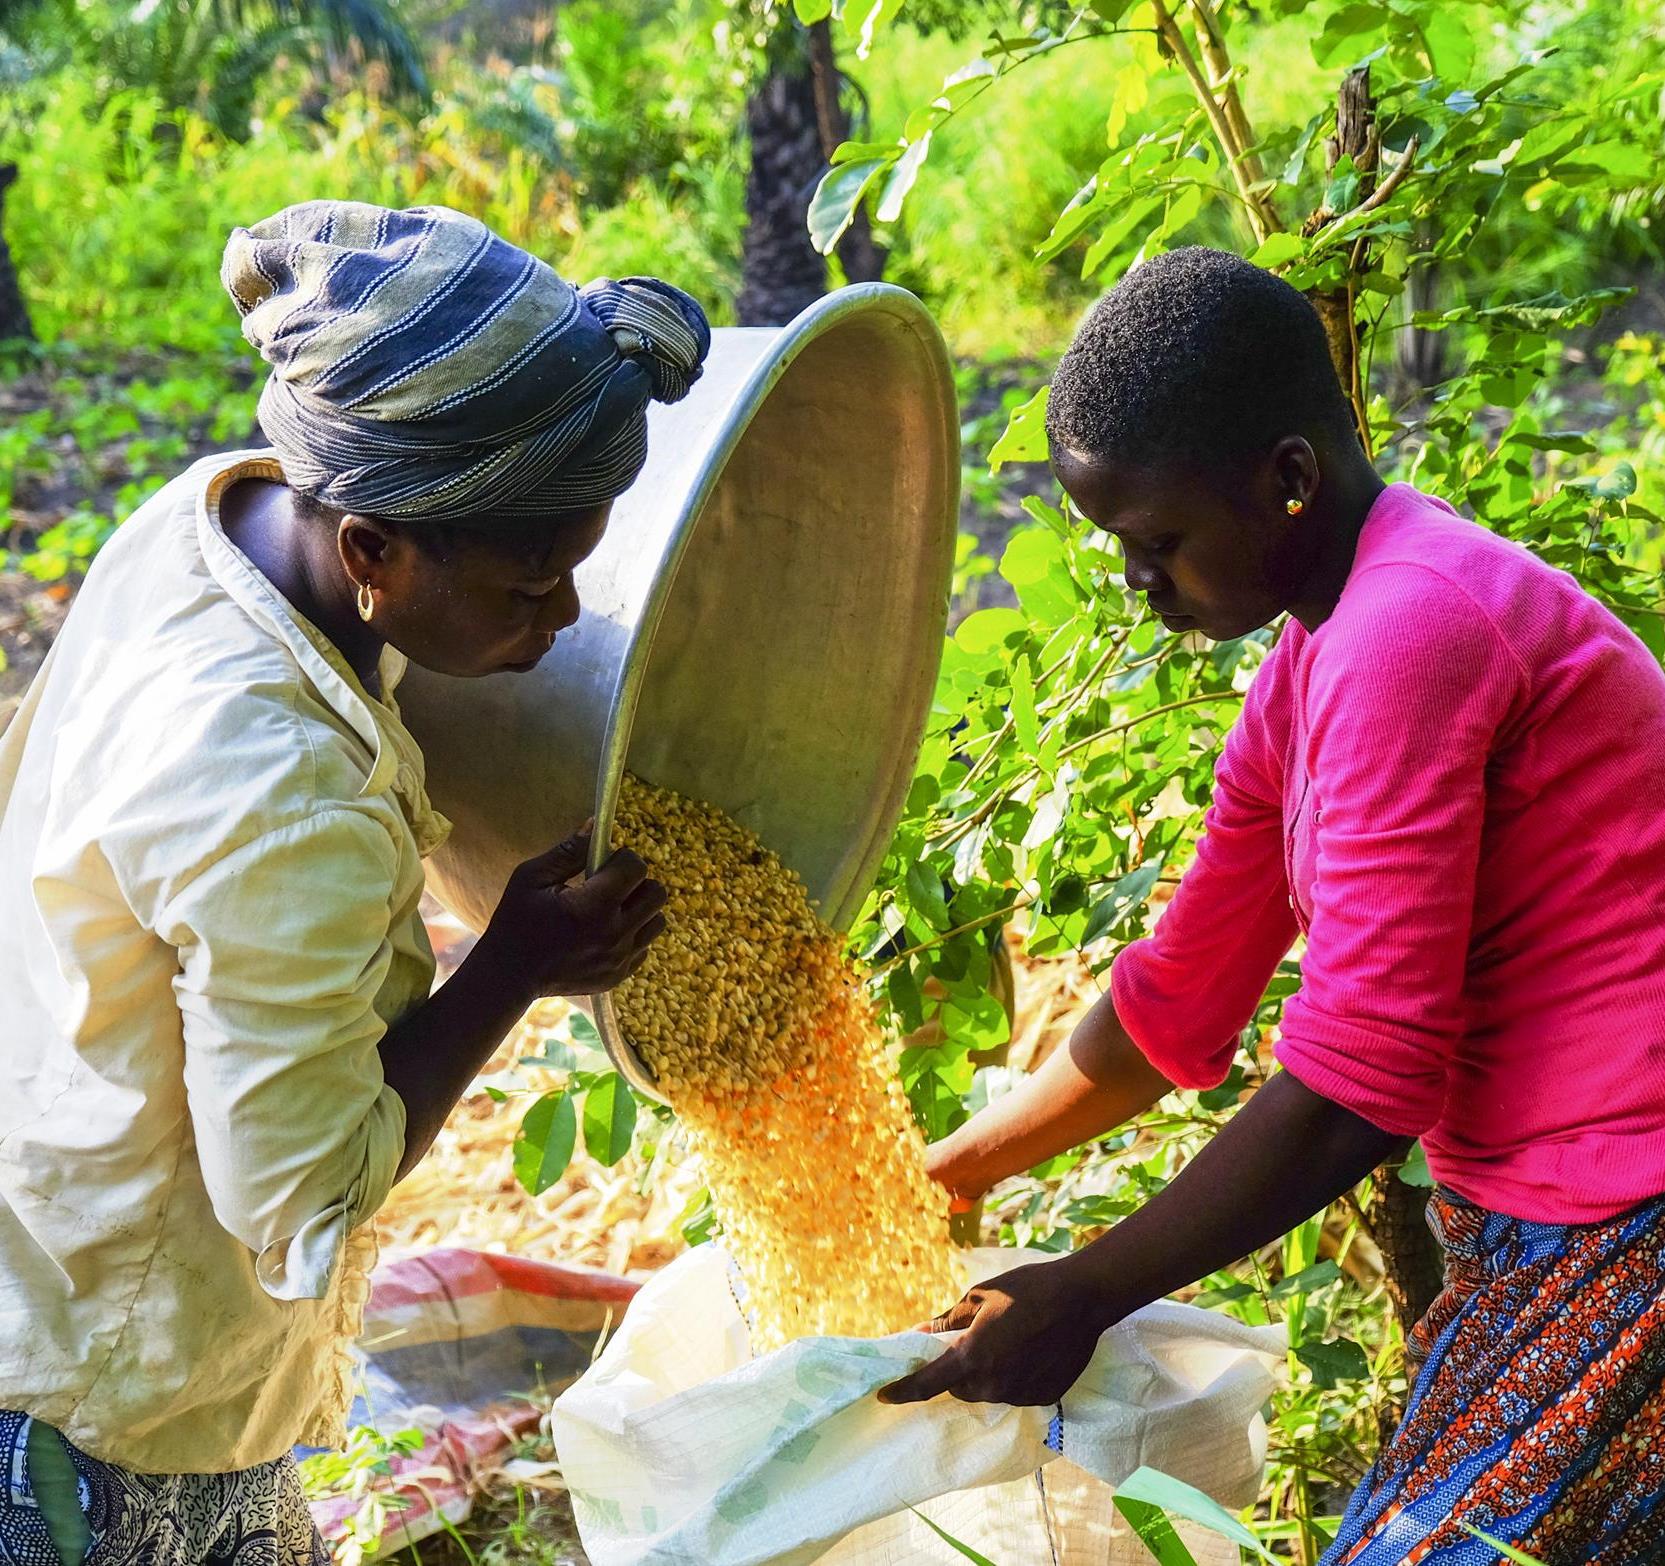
[[761, 626]]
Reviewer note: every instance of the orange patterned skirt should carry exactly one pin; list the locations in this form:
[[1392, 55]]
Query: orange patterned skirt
[[1538, 1415]]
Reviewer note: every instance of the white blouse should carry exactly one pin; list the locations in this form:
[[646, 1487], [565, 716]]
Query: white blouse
[[211, 843]]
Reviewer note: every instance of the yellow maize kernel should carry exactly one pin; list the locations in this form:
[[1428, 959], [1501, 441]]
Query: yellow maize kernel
[[754, 1021]]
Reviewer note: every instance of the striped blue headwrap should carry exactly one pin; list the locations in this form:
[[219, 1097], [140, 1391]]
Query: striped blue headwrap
[[424, 368]]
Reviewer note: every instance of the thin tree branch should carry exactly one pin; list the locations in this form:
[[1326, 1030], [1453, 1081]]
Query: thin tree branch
[[1263, 221], [1145, 717], [1212, 40], [948, 935], [963, 828], [1397, 176]]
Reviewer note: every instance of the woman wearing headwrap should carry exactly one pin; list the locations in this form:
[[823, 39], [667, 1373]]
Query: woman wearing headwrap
[[220, 1043]]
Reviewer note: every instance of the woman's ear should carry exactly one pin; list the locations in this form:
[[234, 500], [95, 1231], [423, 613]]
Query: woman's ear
[[363, 543], [1297, 475]]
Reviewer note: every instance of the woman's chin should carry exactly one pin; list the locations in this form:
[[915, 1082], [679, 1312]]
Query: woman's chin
[[471, 669]]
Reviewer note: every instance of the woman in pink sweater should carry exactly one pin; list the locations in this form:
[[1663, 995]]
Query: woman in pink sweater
[[1448, 777]]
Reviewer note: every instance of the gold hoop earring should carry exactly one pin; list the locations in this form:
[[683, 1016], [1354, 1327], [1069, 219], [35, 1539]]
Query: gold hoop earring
[[1294, 506], [366, 602]]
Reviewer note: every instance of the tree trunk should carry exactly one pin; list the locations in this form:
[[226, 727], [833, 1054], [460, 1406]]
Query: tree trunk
[[859, 253], [1412, 1262], [1419, 355], [781, 272], [14, 314], [1355, 137], [1411, 1256]]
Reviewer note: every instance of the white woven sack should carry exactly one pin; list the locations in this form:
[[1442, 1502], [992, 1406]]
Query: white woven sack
[[682, 1449]]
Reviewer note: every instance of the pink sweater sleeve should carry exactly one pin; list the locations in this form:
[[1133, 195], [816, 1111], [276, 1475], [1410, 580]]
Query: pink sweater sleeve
[[1406, 696], [1185, 993]]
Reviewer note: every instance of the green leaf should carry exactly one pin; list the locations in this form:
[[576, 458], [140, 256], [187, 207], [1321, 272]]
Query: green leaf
[[1415, 1171], [925, 894], [556, 1055], [1024, 439], [1349, 35], [936, 1082], [1545, 312], [949, 1539], [977, 1021], [1297, 163], [958, 89], [1620, 159], [609, 1120], [905, 998], [1574, 442], [1115, 234], [1507, 1551], [809, 12], [1308, 1281], [544, 1147], [1025, 722], [1097, 1212], [1035, 562], [1343, 189], [1155, 1532], [1049, 517], [1279, 250], [837, 197], [861, 152], [1126, 895], [988, 629], [1226, 1094], [1547, 140], [1333, 1363], [1450, 42], [698, 1219], [583, 1031], [865, 19], [1619, 483], [1179, 1499], [901, 179], [1177, 212]]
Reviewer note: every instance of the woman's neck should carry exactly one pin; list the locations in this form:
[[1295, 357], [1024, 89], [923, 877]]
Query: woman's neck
[[1349, 495], [302, 562]]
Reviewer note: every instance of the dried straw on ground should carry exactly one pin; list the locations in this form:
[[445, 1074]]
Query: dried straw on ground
[[465, 1191]]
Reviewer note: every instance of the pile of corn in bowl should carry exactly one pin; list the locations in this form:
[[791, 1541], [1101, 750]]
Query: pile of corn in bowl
[[753, 1020]]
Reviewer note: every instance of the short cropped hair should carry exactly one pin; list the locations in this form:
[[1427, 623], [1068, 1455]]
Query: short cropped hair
[[1196, 358]]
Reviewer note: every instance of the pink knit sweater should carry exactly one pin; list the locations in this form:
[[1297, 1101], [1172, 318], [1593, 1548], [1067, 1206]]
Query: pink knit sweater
[[1455, 789]]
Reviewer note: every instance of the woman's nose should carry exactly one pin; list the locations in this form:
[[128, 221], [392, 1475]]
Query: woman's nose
[[564, 610], [1145, 578]]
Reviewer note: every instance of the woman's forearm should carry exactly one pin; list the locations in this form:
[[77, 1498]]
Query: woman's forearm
[[1285, 1155], [1096, 1082], [430, 1056]]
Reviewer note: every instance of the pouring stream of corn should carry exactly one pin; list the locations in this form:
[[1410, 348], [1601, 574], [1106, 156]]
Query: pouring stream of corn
[[753, 1020]]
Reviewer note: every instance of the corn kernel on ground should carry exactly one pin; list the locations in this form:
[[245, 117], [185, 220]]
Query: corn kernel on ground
[[753, 1020]]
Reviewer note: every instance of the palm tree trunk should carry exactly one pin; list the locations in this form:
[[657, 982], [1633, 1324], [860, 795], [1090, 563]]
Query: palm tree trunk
[[14, 313], [781, 272]]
